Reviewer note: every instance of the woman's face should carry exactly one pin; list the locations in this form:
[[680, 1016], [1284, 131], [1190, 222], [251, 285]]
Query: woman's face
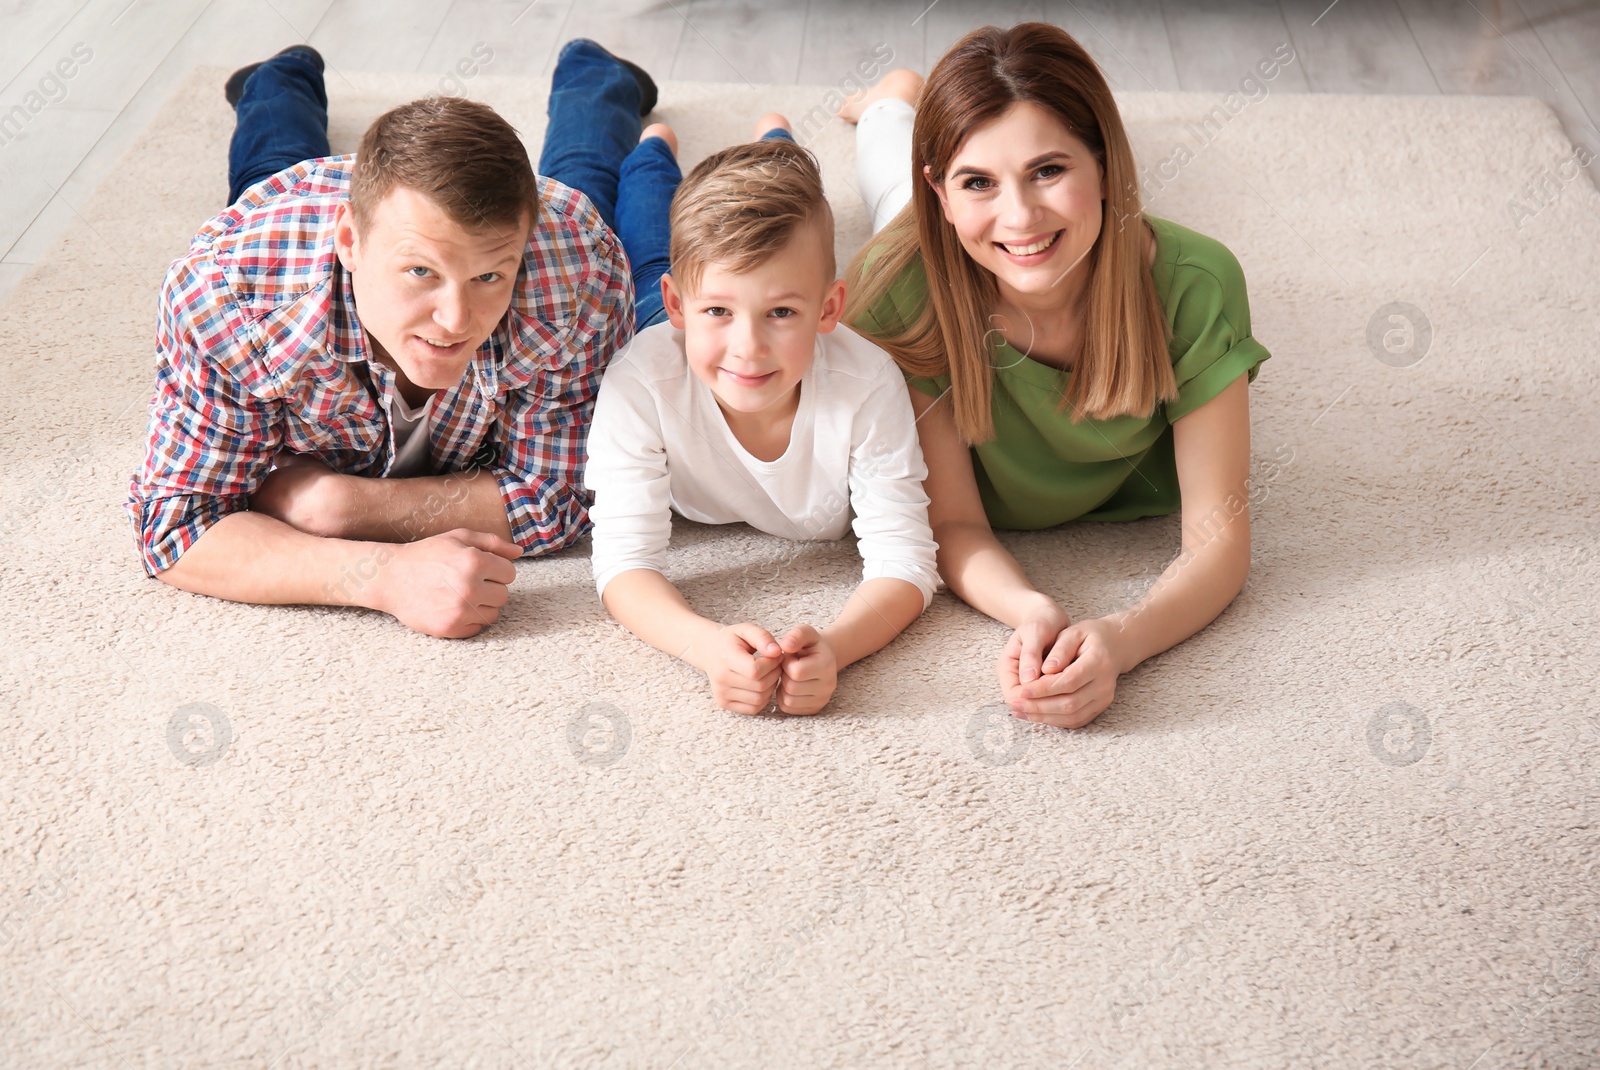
[[1025, 197]]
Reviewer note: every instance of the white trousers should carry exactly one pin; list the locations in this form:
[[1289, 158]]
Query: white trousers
[[883, 158]]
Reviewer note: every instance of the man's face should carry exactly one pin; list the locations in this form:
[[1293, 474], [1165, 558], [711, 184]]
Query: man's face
[[428, 291], [750, 336]]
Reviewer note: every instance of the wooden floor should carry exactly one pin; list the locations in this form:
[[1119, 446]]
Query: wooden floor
[[88, 74]]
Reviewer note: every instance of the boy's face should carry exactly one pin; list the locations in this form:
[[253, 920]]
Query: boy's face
[[428, 291], [750, 337]]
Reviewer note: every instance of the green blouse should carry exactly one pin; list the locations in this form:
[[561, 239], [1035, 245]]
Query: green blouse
[[1041, 469]]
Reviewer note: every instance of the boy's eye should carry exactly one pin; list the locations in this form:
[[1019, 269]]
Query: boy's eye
[[717, 310], [782, 313]]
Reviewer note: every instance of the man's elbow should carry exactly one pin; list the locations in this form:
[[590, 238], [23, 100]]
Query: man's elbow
[[537, 545], [157, 555], [177, 559], [183, 574]]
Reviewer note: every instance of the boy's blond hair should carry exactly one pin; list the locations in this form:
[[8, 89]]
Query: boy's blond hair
[[741, 205]]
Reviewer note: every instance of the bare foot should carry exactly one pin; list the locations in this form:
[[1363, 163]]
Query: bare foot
[[900, 83], [662, 131], [771, 121]]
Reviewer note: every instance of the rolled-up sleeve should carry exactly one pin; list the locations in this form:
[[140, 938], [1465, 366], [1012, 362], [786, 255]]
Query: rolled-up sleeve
[[582, 269], [886, 493], [211, 438], [540, 473], [1209, 315]]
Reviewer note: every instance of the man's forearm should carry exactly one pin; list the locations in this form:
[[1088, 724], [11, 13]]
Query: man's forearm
[[250, 557], [405, 510]]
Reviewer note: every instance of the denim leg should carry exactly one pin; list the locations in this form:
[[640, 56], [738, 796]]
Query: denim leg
[[594, 124], [282, 120], [649, 178], [777, 133]]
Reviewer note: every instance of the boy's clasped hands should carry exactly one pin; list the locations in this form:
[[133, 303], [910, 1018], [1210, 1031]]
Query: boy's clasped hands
[[749, 670]]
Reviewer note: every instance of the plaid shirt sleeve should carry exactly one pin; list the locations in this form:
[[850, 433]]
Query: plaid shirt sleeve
[[579, 295], [211, 440]]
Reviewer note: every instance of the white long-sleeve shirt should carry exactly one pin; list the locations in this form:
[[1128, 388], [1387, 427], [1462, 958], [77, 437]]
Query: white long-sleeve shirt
[[660, 443]]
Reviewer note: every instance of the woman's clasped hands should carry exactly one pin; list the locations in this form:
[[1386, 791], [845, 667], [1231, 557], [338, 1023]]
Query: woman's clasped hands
[[1059, 673]]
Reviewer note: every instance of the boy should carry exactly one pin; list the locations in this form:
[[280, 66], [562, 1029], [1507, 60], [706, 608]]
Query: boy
[[753, 404]]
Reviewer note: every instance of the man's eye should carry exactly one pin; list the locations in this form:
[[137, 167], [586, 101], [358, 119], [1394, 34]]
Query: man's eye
[[418, 272], [489, 276]]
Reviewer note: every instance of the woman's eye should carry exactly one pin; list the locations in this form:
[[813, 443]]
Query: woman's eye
[[1050, 170], [976, 183]]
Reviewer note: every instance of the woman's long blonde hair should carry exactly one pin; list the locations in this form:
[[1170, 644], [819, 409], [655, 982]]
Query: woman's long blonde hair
[[1124, 368]]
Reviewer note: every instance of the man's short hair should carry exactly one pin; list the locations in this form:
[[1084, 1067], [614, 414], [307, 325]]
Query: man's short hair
[[741, 205], [458, 153]]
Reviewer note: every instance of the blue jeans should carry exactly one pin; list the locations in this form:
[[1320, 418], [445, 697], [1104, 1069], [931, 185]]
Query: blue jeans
[[648, 179], [592, 144], [282, 120]]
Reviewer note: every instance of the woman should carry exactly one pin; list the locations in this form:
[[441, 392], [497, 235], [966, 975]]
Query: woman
[[1069, 357]]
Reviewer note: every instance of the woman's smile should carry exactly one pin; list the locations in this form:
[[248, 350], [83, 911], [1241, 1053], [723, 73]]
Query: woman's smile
[[1029, 251]]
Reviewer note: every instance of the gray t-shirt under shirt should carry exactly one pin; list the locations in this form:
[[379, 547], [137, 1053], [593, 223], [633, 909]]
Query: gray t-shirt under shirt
[[412, 438]]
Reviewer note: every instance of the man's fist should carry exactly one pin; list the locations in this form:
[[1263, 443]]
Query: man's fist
[[450, 585]]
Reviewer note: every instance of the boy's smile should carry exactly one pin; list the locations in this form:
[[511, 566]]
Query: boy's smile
[[747, 380]]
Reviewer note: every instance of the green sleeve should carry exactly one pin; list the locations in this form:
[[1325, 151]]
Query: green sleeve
[[1209, 314]]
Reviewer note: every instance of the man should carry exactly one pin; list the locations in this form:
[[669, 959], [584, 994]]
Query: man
[[375, 374]]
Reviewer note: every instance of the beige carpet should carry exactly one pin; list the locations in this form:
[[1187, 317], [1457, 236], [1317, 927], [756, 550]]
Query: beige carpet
[[1351, 823]]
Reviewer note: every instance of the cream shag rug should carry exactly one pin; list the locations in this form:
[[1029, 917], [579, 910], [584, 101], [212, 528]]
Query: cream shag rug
[[1351, 823]]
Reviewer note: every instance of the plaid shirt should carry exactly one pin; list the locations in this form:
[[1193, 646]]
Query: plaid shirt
[[259, 350]]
